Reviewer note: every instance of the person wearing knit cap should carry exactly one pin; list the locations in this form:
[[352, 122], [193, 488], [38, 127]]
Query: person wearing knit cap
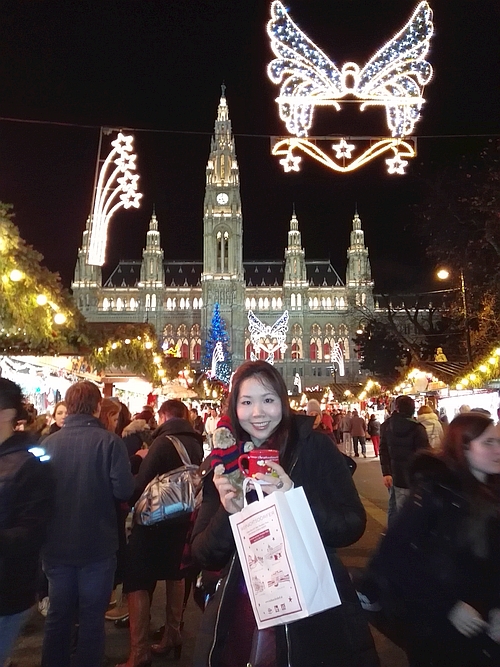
[[313, 409]]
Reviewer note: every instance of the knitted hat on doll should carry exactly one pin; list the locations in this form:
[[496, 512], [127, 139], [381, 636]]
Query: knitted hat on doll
[[227, 450]]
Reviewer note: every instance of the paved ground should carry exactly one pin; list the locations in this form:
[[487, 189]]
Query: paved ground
[[374, 496]]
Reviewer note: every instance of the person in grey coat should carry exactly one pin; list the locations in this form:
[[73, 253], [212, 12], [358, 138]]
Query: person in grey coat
[[92, 470]]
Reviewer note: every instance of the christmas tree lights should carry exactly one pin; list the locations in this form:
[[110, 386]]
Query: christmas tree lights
[[112, 192], [393, 78], [268, 338], [217, 360]]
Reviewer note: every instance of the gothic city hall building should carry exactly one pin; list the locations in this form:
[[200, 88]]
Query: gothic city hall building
[[178, 297]]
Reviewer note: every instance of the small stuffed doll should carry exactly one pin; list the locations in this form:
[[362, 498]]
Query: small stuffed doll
[[226, 451]]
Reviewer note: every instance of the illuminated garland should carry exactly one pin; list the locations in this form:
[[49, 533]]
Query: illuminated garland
[[487, 370], [267, 338], [108, 198], [393, 78]]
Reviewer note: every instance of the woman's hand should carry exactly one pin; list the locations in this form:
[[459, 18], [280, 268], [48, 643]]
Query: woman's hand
[[280, 483], [493, 629], [467, 620], [231, 500]]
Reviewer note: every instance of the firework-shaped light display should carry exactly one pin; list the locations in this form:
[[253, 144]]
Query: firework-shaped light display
[[116, 187]]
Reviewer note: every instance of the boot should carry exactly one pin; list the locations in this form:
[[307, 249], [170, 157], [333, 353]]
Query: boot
[[172, 640], [138, 605]]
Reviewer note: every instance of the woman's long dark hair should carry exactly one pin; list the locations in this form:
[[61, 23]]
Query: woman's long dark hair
[[269, 376], [484, 498]]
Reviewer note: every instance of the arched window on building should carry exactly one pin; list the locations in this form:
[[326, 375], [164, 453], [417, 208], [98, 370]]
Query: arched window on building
[[261, 303], [105, 304], [169, 303], [315, 302], [253, 304], [299, 301], [195, 304], [200, 302], [148, 301], [295, 350], [119, 303], [327, 349], [273, 303], [341, 302], [266, 303], [132, 304], [222, 252], [292, 301], [248, 350], [296, 346], [188, 306], [313, 350], [279, 303], [182, 303], [153, 302], [329, 303], [247, 304], [196, 352]]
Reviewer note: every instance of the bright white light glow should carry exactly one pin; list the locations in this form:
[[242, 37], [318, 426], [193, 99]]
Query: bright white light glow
[[337, 356], [16, 275], [113, 191], [396, 165], [267, 338], [41, 300], [59, 318], [394, 77]]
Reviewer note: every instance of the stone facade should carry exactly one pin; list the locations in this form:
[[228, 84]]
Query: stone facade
[[178, 297]]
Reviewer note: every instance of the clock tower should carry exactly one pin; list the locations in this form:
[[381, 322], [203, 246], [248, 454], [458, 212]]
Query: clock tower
[[223, 279]]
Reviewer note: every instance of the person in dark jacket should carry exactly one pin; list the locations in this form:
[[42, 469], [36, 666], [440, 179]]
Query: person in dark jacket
[[155, 552], [437, 570], [373, 429], [92, 470], [26, 499], [259, 411], [401, 437]]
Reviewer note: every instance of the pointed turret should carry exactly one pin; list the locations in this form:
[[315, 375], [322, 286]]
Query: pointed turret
[[359, 274], [88, 278], [152, 274], [295, 263], [222, 278]]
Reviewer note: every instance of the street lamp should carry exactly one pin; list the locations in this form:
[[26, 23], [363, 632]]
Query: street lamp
[[444, 274]]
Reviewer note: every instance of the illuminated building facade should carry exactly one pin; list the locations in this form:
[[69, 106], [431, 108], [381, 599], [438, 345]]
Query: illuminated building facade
[[178, 297]]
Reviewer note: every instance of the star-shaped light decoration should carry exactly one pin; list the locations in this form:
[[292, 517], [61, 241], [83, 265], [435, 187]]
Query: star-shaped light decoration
[[290, 162], [343, 149], [396, 165]]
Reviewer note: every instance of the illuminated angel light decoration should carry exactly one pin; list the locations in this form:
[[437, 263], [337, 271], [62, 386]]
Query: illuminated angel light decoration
[[218, 370], [337, 357], [116, 187], [393, 78], [267, 338]]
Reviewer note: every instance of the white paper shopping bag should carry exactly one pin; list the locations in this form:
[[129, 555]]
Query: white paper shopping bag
[[284, 563]]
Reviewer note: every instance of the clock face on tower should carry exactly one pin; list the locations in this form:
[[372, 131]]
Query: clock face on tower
[[222, 198]]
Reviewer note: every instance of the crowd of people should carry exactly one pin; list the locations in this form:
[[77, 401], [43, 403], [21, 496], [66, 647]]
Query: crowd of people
[[433, 584]]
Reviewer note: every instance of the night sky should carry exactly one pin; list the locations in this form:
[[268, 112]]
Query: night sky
[[158, 65]]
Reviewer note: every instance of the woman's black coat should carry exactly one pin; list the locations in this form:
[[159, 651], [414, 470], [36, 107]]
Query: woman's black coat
[[424, 564], [339, 637]]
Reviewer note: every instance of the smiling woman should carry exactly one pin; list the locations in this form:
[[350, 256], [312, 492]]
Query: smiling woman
[[259, 411]]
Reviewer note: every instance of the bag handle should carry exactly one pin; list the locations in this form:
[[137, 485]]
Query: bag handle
[[256, 485], [181, 450]]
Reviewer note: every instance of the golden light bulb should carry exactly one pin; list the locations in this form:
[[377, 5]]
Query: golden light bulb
[[148, 345], [41, 300], [16, 275], [59, 318]]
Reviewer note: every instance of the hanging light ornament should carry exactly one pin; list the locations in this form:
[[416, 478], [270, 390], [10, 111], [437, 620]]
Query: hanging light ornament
[[266, 338], [393, 78], [112, 192]]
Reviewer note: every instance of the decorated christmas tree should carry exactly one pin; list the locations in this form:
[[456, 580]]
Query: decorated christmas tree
[[219, 366]]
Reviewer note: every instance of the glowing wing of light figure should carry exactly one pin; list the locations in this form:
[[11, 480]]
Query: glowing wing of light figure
[[394, 77], [306, 75], [398, 72], [217, 357], [260, 331], [338, 356]]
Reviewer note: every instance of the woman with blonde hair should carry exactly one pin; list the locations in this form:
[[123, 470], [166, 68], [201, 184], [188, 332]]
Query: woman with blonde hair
[[430, 421]]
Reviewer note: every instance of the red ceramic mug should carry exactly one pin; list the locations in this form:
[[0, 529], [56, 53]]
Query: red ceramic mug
[[256, 461]]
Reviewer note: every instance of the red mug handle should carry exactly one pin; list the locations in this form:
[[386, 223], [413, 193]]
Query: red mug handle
[[241, 458]]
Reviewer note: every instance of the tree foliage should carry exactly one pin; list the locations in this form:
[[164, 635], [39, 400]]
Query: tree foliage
[[460, 223], [30, 300], [380, 352]]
